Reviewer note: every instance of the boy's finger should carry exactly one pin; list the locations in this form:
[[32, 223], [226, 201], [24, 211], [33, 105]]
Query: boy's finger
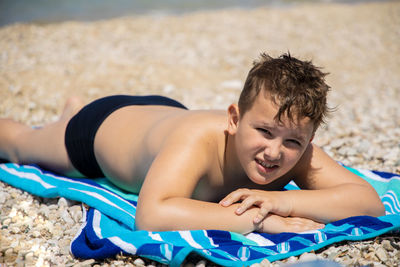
[[262, 214], [258, 218], [245, 205], [228, 200], [233, 197]]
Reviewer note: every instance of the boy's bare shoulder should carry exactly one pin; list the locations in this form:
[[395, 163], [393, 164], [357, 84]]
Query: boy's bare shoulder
[[189, 153], [201, 132]]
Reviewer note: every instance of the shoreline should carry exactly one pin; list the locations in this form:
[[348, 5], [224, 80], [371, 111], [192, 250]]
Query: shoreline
[[82, 12]]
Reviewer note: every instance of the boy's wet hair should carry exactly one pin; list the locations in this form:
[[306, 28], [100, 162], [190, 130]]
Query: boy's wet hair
[[297, 87]]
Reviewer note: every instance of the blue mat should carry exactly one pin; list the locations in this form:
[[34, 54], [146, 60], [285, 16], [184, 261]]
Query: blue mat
[[109, 223]]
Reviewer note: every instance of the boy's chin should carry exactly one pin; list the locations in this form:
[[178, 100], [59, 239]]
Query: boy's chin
[[262, 180]]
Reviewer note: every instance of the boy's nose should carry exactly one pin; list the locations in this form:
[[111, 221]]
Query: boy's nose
[[273, 151]]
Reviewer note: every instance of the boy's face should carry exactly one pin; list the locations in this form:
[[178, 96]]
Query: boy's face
[[268, 149]]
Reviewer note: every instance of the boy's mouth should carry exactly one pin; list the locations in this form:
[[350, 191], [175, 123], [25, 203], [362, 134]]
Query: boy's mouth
[[266, 167]]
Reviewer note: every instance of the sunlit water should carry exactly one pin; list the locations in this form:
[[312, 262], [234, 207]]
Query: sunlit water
[[45, 11]]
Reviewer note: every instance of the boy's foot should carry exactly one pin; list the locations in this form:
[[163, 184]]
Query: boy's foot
[[9, 131], [72, 106]]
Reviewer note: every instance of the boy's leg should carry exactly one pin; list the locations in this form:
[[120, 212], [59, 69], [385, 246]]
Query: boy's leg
[[43, 146]]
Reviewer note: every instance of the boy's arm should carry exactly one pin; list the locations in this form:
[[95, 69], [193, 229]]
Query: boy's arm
[[164, 201], [331, 192], [165, 198]]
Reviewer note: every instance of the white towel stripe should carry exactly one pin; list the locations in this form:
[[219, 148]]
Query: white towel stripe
[[103, 199], [25, 175], [188, 238]]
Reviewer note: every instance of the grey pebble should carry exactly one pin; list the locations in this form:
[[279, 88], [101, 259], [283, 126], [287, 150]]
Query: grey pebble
[[381, 254]]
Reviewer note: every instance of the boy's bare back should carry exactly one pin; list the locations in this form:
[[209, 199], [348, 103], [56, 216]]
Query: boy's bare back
[[130, 139]]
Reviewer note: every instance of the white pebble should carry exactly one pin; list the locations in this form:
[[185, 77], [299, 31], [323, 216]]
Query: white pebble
[[387, 246], [67, 218], [138, 262], [76, 213], [308, 257], [62, 202], [3, 197], [6, 222], [381, 254], [29, 257], [201, 264], [35, 234], [44, 210], [85, 263], [265, 263]]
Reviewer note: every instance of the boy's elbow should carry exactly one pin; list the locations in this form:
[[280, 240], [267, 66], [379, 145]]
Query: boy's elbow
[[146, 220], [374, 207], [378, 210], [152, 218], [371, 203], [143, 223]]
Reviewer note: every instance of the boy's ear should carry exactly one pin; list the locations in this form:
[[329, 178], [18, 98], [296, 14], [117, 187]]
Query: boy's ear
[[233, 118]]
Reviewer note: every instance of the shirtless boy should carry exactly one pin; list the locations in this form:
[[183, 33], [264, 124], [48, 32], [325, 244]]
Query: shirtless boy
[[208, 169]]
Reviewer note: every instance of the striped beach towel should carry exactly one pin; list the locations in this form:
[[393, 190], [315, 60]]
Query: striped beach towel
[[109, 223]]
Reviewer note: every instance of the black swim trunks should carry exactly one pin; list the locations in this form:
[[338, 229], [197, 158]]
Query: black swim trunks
[[82, 128]]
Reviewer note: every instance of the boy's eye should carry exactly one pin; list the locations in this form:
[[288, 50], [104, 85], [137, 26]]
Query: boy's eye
[[264, 131], [295, 142]]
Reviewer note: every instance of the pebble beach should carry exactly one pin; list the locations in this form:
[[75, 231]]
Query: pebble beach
[[202, 59]]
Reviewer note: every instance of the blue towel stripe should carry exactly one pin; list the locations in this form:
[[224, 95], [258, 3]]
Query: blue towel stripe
[[109, 223]]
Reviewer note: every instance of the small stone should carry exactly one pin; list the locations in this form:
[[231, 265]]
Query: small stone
[[67, 218], [371, 256], [6, 222], [348, 262], [62, 202], [387, 246], [2, 198], [14, 230], [337, 143], [10, 255], [76, 213], [44, 210], [53, 207], [35, 234], [29, 257], [381, 254], [265, 263], [201, 264], [308, 257], [139, 262], [86, 263], [14, 194], [256, 265]]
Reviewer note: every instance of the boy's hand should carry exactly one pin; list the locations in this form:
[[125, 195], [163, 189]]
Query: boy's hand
[[268, 202], [274, 224]]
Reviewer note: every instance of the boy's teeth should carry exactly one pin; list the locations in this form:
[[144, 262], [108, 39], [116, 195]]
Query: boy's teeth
[[265, 164]]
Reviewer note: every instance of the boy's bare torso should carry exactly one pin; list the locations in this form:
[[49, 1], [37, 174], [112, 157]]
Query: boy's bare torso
[[129, 140]]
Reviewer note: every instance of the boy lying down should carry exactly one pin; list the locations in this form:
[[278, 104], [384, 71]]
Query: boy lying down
[[208, 169]]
